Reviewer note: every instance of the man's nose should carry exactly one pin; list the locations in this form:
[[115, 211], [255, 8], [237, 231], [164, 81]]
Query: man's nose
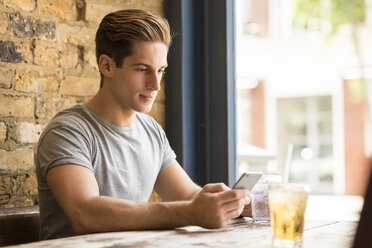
[[154, 81]]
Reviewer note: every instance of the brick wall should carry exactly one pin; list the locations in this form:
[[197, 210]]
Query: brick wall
[[47, 63]]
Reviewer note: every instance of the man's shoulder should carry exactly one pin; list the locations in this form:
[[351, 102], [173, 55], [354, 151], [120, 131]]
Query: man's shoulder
[[73, 119], [69, 116]]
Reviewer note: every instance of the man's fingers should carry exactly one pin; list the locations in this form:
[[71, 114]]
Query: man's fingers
[[234, 213], [235, 204], [235, 194], [247, 211], [215, 187]]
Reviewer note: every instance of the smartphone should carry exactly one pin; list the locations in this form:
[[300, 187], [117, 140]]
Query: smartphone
[[247, 180]]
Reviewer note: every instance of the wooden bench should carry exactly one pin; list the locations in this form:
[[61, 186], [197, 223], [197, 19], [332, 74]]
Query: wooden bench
[[19, 225]]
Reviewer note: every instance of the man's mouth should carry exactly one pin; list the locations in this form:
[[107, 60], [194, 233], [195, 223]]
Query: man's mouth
[[147, 98]]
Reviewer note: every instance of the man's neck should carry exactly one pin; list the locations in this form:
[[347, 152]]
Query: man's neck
[[110, 110]]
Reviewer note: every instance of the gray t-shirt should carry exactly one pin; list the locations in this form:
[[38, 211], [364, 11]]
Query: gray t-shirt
[[125, 160]]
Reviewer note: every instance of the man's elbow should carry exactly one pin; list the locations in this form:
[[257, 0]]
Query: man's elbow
[[81, 224], [80, 228]]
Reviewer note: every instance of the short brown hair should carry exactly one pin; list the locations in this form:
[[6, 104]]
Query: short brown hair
[[118, 30]]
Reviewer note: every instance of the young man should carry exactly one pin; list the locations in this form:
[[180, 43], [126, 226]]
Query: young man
[[98, 162]]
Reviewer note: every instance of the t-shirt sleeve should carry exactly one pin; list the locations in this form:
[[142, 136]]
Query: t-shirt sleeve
[[63, 145]]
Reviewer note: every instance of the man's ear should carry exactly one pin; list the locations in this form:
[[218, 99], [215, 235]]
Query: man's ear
[[105, 65]]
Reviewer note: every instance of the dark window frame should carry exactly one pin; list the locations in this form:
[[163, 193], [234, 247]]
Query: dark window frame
[[200, 88]]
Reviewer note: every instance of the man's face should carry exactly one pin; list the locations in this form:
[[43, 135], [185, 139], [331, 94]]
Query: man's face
[[136, 83]]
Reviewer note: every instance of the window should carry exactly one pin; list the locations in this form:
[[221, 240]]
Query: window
[[305, 79], [306, 122]]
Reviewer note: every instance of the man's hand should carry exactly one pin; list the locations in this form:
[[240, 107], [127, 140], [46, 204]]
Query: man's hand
[[216, 205], [247, 211]]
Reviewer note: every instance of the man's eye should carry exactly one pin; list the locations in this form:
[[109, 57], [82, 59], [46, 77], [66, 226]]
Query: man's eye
[[142, 69]]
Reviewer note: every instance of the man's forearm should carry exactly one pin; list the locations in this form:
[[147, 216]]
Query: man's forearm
[[194, 193], [102, 214]]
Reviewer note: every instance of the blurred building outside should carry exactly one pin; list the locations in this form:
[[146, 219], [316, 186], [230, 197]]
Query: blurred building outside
[[303, 87]]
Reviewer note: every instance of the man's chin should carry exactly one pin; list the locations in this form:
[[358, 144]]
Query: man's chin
[[145, 109]]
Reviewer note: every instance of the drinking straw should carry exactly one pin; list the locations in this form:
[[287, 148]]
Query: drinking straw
[[287, 163]]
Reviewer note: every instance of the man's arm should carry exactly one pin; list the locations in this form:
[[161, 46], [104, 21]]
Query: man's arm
[[76, 191], [173, 184]]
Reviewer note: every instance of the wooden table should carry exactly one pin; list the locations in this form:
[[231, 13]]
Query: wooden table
[[240, 233]]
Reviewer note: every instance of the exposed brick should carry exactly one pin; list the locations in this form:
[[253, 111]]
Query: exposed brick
[[3, 23], [29, 27], [6, 76], [80, 9], [16, 106], [4, 199], [156, 7], [9, 53], [21, 201], [25, 81], [24, 184], [2, 132], [5, 185], [48, 107], [27, 132], [17, 160], [94, 12], [25, 5], [5, 189], [90, 59], [25, 50], [48, 83], [76, 35], [64, 9], [69, 59], [79, 86], [45, 56], [33, 81], [18, 190]]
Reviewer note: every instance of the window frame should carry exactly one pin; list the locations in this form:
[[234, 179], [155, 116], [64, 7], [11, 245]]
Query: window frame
[[200, 88]]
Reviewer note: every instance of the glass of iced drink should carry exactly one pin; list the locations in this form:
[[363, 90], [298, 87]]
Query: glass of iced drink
[[260, 202], [287, 204]]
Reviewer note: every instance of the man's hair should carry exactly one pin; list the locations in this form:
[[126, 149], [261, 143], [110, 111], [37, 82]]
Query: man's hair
[[119, 30]]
